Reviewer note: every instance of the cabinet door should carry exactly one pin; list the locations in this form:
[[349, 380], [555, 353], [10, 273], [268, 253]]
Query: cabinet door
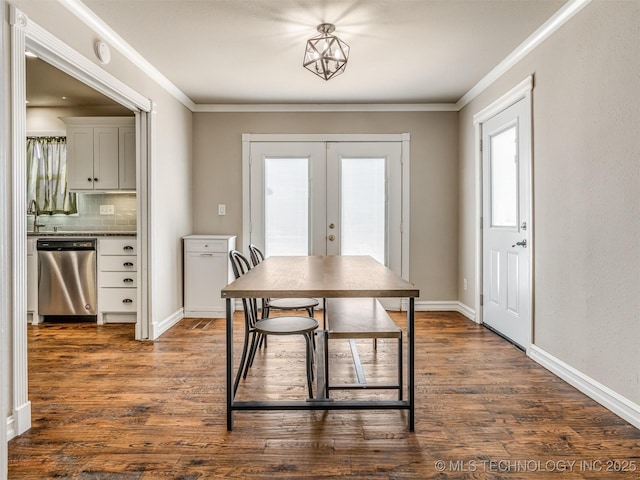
[[127, 158], [105, 158], [205, 276], [80, 158]]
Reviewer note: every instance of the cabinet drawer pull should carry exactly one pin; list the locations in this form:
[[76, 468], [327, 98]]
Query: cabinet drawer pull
[[89, 179], [206, 254], [127, 247], [127, 280], [95, 179], [127, 300], [127, 264]]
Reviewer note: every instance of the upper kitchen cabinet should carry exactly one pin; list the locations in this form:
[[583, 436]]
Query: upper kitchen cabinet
[[101, 153]]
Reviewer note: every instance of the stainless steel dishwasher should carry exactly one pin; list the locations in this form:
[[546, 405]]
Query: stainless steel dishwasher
[[67, 276]]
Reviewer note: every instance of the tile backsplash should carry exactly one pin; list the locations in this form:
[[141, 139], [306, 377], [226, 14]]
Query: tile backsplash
[[89, 218]]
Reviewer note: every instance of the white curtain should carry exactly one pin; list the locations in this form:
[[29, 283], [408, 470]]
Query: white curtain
[[47, 175]]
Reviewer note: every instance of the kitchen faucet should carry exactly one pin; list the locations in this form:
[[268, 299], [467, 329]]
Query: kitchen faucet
[[33, 208]]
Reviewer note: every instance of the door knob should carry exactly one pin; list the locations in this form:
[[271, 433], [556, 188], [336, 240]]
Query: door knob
[[331, 225], [522, 243], [332, 237]]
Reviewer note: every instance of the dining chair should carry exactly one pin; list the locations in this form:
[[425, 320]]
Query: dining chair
[[268, 304], [259, 328]]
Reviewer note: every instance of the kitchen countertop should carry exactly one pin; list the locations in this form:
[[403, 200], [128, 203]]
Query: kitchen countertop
[[66, 233]]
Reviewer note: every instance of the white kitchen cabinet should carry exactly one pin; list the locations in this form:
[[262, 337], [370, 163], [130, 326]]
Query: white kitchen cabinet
[[32, 280], [207, 270], [101, 153], [117, 280], [127, 158]]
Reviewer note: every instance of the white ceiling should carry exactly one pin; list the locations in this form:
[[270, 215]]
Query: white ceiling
[[251, 51]]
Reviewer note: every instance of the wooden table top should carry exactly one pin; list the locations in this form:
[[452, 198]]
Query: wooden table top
[[320, 277]]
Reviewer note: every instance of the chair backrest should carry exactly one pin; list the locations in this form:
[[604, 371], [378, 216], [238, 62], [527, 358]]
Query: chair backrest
[[256, 254], [240, 266], [239, 263]]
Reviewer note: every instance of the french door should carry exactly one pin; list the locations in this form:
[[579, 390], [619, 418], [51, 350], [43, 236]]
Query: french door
[[506, 140], [327, 198]]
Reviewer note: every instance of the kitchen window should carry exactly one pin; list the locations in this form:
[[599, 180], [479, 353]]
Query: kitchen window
[[47, 176]]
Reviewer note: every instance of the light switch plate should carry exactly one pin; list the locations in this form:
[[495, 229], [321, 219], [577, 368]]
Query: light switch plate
[[222, 209]]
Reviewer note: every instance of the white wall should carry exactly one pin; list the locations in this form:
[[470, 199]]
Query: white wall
[[586, 176]]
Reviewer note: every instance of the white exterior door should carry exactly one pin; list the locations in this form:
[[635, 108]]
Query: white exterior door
[[506, 141], [328, 198]]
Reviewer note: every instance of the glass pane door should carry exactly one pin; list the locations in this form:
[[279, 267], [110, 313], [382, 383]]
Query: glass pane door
[[504, 178], [363, 207], [286, 206]]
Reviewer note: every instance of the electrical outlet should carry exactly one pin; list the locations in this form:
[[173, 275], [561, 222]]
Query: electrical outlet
[[464, 283], [107, 210], [222, 209]]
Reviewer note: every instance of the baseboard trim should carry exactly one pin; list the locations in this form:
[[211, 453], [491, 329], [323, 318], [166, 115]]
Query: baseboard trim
[[606, 397], [11, 427], [158, 328], [446, 306]]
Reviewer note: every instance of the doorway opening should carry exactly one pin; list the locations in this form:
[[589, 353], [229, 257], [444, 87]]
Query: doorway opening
[[26, 35]]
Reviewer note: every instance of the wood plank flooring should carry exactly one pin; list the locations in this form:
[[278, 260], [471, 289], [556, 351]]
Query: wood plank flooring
[[105, 407]]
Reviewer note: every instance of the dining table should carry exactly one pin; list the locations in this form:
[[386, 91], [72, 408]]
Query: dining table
[[322, 277]]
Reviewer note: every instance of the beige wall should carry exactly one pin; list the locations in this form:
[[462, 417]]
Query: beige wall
[[586, 176], [434, 172]]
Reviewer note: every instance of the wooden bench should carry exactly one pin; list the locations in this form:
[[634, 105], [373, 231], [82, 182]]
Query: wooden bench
[[358, 318]]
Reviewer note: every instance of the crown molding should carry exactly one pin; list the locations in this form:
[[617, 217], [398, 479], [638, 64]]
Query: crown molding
[[328, 107], [561, 17], [94, 22]]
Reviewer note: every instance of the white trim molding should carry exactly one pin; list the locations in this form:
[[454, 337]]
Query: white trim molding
[[57, 53], [445, 306], [327, 107], [95, 23], [158, 328], [549, 27], [606, 397]]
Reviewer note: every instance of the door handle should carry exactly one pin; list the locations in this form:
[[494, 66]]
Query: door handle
[[522, 243]]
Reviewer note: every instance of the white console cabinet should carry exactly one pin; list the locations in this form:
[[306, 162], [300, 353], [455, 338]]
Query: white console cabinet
[[207, 270]]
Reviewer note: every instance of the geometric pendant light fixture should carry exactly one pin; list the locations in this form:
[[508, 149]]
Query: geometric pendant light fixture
[[326, 55]]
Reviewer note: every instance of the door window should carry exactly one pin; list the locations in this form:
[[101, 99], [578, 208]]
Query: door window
[[286, 206]]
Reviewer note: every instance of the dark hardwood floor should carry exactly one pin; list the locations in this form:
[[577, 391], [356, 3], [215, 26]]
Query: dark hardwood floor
[[105, 406]]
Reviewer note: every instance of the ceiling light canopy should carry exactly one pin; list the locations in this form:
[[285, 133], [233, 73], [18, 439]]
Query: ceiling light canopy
[[326, 55]]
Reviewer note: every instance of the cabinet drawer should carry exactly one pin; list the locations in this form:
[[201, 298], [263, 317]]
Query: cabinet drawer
[[118, 279], [118, 246], [118, 300], [206, 246], [118, 263]]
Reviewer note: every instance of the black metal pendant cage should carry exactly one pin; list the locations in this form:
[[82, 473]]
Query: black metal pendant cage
[[326, 55]]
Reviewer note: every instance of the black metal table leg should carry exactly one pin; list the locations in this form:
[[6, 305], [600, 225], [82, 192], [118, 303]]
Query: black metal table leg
[[230, 395]]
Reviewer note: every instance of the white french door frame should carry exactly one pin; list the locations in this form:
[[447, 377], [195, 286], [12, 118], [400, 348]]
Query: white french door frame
[[521, 91], [404, 138], [27, 34]]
